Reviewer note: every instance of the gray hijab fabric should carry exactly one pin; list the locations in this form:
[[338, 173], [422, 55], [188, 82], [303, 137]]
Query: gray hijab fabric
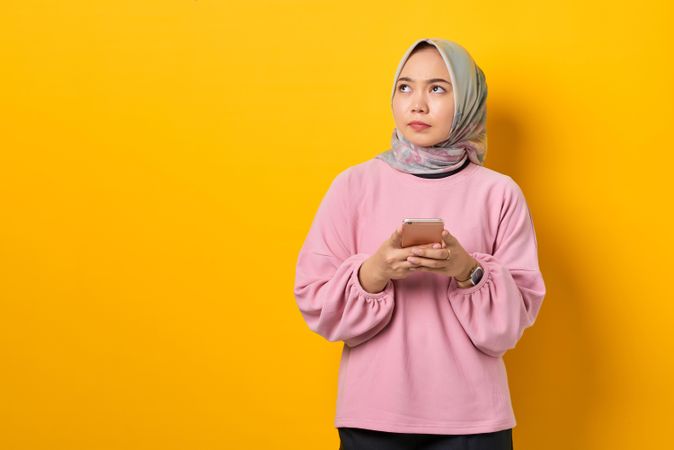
[[468, 134]]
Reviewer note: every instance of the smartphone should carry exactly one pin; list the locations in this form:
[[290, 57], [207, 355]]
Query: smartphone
[[419, 231]]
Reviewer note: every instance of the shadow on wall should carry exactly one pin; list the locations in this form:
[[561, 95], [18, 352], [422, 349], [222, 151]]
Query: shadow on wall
[[552, 372]]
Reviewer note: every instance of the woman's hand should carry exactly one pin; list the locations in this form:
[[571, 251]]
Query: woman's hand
[[435, 259], [388, 262]]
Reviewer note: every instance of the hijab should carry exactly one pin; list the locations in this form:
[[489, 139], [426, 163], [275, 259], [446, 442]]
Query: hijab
[[467, 138]]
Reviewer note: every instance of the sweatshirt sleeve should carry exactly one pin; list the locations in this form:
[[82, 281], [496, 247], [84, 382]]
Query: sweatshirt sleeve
[[327, 289], [496, 311]]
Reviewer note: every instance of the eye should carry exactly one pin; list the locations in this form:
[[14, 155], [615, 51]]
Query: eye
[[401, 85]]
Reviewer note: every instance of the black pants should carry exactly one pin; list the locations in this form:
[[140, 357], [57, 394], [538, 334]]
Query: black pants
[[364, 439]]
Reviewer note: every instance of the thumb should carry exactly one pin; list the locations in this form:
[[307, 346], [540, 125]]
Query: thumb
[[447, 237], [396, 237]]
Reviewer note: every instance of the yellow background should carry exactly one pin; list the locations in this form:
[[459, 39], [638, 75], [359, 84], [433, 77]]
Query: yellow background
[[161, 162]]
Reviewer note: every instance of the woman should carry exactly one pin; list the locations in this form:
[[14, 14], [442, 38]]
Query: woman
[[425, 327]]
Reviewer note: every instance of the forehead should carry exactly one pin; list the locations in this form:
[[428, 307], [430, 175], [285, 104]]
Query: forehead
[[425, 63]]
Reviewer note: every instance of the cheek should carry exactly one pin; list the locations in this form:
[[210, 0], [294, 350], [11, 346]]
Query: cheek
[[397, 114], [445, 115], [399, 107], [445, 108]]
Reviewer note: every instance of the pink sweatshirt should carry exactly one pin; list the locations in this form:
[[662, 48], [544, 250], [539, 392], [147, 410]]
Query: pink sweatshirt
[[423, 355]]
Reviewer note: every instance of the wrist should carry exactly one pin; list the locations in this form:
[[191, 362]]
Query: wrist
[[370, 279], [465, 274]]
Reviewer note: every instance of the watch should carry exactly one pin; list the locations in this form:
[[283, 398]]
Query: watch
[[475, 276]]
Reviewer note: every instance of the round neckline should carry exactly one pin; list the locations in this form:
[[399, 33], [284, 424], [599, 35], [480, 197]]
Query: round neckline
[[412, 180]]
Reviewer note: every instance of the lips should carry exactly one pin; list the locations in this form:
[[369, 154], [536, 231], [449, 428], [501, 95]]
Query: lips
[[418, 126]]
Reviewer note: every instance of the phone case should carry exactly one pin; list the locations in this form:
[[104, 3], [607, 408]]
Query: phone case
[[418, 231]]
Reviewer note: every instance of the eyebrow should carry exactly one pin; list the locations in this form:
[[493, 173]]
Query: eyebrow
[[432, 80]]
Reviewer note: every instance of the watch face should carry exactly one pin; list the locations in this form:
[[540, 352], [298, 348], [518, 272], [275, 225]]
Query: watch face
[[477, 275]]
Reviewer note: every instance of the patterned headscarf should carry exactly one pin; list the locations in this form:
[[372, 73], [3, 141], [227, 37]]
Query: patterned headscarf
[[468, 134]]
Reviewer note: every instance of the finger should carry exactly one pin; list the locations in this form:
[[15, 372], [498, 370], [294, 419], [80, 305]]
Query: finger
[[410, 247], [426, 262], [404, 252], [422, 247], [441, 253], [417, 261], [409, 266], [428, 269]]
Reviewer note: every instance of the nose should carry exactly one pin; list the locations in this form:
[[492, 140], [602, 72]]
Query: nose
[[417, 107], [418, 103]]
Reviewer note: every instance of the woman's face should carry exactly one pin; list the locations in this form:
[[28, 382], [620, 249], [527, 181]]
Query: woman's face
[[424, 93]]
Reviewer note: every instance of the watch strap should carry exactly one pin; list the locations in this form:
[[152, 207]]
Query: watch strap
[[469, 281]]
